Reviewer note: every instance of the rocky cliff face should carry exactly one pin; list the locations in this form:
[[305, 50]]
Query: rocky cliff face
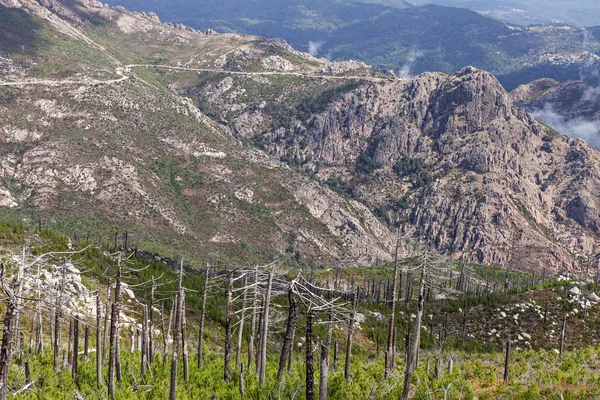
[[449, 158], [571, 100], [87, 142]]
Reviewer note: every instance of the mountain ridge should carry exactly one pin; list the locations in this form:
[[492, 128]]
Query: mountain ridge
[[447, 156]]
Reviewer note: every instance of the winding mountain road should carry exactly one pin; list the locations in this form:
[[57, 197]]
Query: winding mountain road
[[121, 71]]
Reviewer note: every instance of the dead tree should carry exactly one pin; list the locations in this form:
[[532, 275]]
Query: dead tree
[[324, 371], [75, 348], [253, 323], [58, 317], [98, 341], [310, 367], [288, 343], [176, 329], [151, 322], [186, 370], [69, 344], [105, 335], [7, 332], [430, 267], [202, 317], [238, 349], [390, 356], [228, 320], [350, 336], [264, 331], [168, 332], [144, 355], [562, 336], [242, 381], [335, 354], [319, 302], [507, 361], [86, 341], [114, 335]]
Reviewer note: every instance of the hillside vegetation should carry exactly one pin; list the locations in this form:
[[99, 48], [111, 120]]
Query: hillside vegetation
[[403, 38], [472, 347]]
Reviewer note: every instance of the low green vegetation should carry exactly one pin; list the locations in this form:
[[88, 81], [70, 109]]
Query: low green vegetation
[[452, 363]]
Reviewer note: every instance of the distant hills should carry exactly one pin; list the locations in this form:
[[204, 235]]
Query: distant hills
[[398, 36], [526, 12]]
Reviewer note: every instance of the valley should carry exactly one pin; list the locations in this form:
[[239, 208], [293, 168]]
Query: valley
[[189, 214]]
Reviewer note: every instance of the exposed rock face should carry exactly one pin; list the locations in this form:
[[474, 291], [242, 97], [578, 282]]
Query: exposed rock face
[[446, 157], [492, 185], [128, 153], [10, 3], [571, 100]]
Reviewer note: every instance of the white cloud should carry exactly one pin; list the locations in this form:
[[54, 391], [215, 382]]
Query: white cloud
[[404, 72], [314, 47], [576, 128]]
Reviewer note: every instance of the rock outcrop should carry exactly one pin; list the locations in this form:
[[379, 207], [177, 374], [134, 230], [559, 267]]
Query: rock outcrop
[[452, 159]]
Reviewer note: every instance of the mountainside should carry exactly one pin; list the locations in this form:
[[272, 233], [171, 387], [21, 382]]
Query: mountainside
[[575, 12], [406, 39], [119, 119], [446, 155], [88, 145], [571, 107]]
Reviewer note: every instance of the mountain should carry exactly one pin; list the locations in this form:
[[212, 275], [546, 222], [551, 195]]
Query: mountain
[[572, 107], [574, 12], [89, 145], [110, 118], [396, 36]]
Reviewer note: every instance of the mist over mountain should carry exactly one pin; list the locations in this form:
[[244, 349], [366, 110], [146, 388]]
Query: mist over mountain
[[572, 108], [165, 190]]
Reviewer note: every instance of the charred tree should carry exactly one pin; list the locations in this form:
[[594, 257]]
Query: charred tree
[[202, 317], [310, 367], [288, 343], [350, 337], [228, 321]]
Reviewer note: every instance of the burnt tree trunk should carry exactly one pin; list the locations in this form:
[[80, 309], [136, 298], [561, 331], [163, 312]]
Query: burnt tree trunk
[[144, 354], [5, 349], [416, 340], [202, 317], [228, 321], [75, 349], [507, 361], [350, 337], [264, 331], [70, 344], [562, 337], [105, 344], [98, 352], [391, 345], [335, 354], [288, 343], [114, 334], [238, 350], [86, 342], [310, 367], [151, 323], [324, 373], [253, 323], [176, 329], [186, 368]]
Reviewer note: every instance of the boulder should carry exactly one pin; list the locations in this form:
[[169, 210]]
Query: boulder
[[593, 298]]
